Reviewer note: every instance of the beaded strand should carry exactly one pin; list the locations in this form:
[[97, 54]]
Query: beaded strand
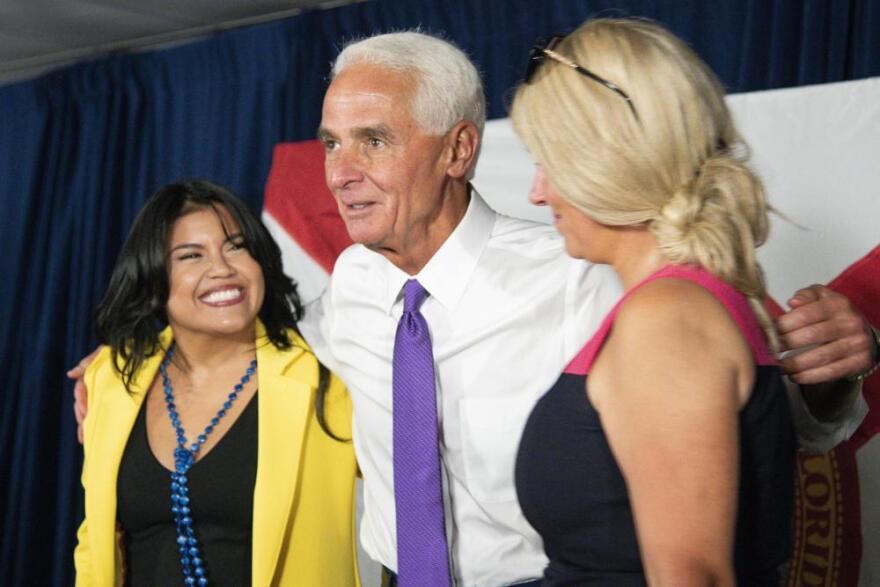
[[190, 555]]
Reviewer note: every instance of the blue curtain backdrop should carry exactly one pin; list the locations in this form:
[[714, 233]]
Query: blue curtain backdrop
[[82, 147]]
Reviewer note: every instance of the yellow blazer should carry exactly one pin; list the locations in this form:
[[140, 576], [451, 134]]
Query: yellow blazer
[[303, 533]]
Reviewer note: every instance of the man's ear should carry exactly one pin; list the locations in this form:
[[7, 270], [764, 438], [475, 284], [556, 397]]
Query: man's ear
[[464, 145]]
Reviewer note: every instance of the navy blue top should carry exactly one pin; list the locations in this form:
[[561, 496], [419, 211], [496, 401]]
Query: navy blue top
[[573, 493], [221, 487]]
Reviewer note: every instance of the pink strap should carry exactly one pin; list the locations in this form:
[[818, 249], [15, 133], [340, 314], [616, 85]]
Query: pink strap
[[735, 302]]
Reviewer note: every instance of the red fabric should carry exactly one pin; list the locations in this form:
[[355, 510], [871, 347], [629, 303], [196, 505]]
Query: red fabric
[[827, 521], [298, 198]]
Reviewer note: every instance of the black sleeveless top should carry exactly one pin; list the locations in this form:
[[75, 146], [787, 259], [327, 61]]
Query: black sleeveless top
[[221, 488], [573, 493]]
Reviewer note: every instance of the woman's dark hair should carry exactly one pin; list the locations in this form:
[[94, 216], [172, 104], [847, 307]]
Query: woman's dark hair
[[132, 312]]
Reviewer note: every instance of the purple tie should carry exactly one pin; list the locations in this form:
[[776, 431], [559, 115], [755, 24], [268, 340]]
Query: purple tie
[[422, 553]]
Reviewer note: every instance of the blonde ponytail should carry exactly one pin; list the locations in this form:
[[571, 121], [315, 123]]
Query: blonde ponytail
[[717, 220]]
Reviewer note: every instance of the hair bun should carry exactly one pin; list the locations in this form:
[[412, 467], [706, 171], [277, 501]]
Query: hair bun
[[683, 207], [674, 226]]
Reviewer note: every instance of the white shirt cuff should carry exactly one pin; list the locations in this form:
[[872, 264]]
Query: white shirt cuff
[[818, 436]]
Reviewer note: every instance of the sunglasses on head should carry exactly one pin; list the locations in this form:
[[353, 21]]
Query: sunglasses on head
[[543, 50]]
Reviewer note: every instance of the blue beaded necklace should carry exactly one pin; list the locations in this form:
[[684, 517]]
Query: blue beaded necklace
[[190, 556]]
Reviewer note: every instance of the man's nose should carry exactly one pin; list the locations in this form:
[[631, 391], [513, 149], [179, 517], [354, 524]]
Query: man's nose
[[343, 167]]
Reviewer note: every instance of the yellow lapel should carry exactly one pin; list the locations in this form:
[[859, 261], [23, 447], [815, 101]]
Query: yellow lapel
[[287, 382], [115, 411]]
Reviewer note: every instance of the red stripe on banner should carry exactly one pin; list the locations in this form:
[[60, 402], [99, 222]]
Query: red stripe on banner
[[298, 198]]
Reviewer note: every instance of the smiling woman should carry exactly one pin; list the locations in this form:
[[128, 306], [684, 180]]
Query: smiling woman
[[216, 286], [199, 315], [139, 296]]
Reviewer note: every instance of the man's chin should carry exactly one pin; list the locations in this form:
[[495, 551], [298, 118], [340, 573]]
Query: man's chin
[[362, 235]]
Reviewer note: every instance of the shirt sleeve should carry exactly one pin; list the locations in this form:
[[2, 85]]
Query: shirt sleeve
[[591, 292], [315, 326], [818, 436]]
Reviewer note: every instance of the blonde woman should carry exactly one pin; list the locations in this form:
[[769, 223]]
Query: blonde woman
[[672, 463]]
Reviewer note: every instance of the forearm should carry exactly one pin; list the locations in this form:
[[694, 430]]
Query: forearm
[[831, 402], [681, 570], [827, 422]]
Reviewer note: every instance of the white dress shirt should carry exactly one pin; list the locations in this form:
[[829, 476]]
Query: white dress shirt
[[507, 310]]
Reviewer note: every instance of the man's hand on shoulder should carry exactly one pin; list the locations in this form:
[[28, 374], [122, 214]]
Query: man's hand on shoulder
[[80, 393], [833, 345]]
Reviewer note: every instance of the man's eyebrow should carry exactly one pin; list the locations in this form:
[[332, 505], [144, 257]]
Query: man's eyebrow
[[381, 131]]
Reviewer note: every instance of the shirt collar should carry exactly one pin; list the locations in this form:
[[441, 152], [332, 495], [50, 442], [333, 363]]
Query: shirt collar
[[447, 273]]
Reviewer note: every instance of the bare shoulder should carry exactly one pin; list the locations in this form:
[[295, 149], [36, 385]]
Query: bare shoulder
[[681, 335], [670, 307]]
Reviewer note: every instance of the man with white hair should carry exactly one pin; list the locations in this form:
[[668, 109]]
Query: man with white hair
[[447, 321], [504, 309]]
